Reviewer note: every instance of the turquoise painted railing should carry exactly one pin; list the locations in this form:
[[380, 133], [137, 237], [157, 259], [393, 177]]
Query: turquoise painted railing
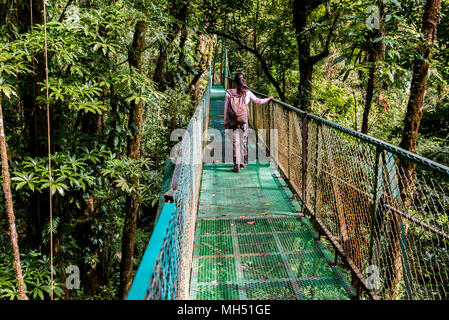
[[164, 271], [140, 289]]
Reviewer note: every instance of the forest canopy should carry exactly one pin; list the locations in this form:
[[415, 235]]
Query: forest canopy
[[122, 75]]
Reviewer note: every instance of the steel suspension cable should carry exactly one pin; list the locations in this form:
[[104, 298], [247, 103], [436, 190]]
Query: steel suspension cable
[[49, 152]]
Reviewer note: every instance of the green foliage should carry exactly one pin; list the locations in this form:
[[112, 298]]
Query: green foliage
[[332, 100], [36, 275], [92, 88]]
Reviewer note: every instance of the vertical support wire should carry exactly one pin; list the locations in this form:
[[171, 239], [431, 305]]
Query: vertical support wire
[[268, 127], [290, 142], [318, 155], [304, 156], [49, 151]]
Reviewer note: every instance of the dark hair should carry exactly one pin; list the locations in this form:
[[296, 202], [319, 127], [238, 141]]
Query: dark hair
[[240, 81]]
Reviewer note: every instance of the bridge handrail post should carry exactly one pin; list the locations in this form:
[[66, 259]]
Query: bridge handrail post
[[289, 148], [304, 156], [318, 156], [377, 192], [269, 127]]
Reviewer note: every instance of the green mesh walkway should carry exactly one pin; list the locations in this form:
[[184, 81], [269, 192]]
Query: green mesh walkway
[[250, 241]]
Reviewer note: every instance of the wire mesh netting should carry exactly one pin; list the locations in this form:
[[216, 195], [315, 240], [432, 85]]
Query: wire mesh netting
[[384, 208], [250, 242], [169, 273]]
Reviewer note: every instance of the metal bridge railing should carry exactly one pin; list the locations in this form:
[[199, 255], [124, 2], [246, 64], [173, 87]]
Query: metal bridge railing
[[164, 271], [384, 209]]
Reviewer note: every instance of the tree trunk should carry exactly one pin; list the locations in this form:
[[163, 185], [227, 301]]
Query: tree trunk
[[182, 53], [301, 12], [90, 280], [204, 51], [420, 70], [305, 86], [376, 52], [132, 202], [9, 207], [159, 74], [92, 123], [179, 10], [369, 94], [412, 120]]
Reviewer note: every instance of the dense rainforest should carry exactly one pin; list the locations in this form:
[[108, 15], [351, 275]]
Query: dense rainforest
[[113, 79]]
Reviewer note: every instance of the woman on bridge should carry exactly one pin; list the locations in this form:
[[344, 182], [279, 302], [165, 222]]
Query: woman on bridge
[[236, 117]]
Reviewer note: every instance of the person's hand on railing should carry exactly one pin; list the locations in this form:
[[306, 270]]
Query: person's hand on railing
[[271, 97]]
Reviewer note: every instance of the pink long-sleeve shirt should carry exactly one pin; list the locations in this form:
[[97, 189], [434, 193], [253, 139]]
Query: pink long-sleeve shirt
[[249, 97]]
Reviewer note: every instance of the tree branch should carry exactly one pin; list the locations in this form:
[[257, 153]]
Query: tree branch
[[63, 11], [144, 49], [259, 57], [314, 59]]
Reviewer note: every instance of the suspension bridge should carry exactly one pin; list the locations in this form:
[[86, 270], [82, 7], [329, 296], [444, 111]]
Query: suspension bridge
[[333, 215]]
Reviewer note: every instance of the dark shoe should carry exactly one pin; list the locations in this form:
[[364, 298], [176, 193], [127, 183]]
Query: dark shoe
[[243, 165], [236, 169]]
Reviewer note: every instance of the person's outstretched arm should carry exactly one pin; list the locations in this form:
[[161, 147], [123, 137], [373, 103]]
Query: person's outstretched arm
[[256, 100]]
